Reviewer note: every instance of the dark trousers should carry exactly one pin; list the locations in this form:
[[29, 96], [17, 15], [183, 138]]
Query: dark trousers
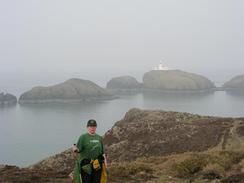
[[94, 177]]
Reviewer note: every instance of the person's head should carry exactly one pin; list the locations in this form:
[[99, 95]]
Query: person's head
[[91, 126]]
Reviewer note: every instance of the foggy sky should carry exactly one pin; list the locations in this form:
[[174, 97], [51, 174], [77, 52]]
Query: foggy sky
[[80, 36]]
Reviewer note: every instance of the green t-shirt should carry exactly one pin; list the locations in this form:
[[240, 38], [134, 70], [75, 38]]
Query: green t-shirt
[[90, 146]]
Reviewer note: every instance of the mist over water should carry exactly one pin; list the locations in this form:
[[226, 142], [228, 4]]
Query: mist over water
[[20, 82]]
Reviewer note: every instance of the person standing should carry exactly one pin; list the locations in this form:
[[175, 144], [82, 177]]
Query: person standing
[[91, 161]]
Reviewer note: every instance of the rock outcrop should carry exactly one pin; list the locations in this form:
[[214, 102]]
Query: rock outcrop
[[157, 133], [123, 83], [175, 80], [7, 99], [72, 90], [236, 83]]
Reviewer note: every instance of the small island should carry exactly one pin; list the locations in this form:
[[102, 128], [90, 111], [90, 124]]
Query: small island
[[7, 99], [123, 84], [175, 81], [235, 84], [72, 90]]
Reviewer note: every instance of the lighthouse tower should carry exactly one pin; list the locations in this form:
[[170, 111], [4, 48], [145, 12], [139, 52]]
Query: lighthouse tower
[[161, 67]]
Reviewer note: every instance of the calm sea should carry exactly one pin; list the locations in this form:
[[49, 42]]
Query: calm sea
[[32, 132]]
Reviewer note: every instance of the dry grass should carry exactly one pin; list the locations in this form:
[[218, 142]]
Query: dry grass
[[180, 168], [215, 163]]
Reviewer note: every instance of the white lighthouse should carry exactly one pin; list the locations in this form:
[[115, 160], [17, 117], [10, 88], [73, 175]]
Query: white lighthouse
[[161, 67]]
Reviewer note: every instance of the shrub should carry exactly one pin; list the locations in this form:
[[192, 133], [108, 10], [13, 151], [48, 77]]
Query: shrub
[[211, 165], [226, 159], [190, 166], [213, 171], [127, 169]]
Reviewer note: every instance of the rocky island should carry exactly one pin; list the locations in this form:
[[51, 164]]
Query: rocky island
[[175, 80], [123, 83], [235, 84], [72, 90], [7, 99], [156, 146]]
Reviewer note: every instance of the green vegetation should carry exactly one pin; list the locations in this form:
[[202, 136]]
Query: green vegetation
[[190, 166], [216, 164], [132, 168]]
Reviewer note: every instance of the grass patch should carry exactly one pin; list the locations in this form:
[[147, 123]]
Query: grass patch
[[130, 168], [225, 159], [216, 163], [190, 166]]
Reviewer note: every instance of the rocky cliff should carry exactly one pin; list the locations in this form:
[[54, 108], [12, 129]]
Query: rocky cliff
[[175, 80], [72, 90], [156, 133]]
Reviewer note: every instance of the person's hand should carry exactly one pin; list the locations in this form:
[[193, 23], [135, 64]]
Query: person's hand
[[74, 148], [105, 160]]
